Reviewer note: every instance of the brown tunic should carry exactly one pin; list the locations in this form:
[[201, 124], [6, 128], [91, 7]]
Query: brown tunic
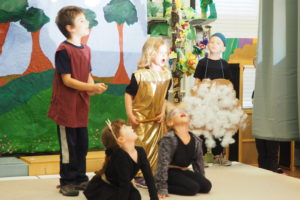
[[70, 107]]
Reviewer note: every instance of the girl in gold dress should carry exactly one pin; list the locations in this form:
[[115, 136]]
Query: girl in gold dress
[[146, 97]]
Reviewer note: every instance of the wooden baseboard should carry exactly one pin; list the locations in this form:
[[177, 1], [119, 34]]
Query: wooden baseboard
[[49, 164]]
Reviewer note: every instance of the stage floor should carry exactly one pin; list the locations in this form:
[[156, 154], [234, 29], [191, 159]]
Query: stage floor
[[237, 182]]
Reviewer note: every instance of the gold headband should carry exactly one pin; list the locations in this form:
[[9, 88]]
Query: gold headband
[[110, 128]]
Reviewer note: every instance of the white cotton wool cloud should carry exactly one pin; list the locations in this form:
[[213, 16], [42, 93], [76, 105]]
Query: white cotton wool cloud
[[214, 111]]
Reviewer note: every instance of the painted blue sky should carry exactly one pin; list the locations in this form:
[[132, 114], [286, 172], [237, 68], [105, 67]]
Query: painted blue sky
[[103, 40]]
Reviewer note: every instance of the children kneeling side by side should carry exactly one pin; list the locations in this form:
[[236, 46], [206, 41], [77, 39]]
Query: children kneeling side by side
[[178, 149], [122, 162]]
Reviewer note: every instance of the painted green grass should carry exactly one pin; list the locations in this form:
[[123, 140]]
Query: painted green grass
[[20, 90], [26, 129], [24, 125]]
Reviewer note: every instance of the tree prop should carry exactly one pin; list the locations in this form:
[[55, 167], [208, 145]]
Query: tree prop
[[152, 9], [199, 47], [185, 50], [205, 4], [187, 59]]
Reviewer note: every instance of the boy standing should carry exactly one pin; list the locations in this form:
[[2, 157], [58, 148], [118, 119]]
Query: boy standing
[[214, 67], [72, 86]]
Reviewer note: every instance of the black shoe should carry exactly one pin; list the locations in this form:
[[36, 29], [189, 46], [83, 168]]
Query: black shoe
[[69, 190], [280, 171], [82, 185], [222, 161]]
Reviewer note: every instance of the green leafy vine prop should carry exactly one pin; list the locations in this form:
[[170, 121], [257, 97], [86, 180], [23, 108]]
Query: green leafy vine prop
[[179, 23]]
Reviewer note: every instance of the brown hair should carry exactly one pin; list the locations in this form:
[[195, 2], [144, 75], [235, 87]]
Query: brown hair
[[150, 49], [110, 142], [66, 16]]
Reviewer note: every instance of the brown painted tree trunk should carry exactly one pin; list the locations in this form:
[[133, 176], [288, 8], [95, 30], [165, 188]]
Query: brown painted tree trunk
[[3, 32], [176, 74], [85, 39], [121, 76], [2, 82], [38, 62]]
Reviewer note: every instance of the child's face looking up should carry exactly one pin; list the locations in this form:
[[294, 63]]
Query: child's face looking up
[[128, 133], [180, 117], [216, 45], [161, 57], [81, 26]]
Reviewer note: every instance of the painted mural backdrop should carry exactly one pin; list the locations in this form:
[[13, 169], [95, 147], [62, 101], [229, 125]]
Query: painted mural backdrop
[[240, 50], [28, 40]]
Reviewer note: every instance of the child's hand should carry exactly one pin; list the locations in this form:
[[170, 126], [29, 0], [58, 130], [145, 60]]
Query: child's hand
[[197, 81], [161, 117], [133, 119], [99, 88]]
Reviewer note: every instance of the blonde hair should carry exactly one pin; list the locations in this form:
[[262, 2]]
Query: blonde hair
[[149, 51], [170, 108]]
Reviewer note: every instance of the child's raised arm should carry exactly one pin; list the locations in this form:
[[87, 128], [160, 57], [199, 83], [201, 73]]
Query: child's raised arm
[[161, 117], [91, 81], [82, 86], [128, 106]]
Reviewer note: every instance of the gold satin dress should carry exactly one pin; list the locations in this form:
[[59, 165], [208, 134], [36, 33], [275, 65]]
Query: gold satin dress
[[147, 105]]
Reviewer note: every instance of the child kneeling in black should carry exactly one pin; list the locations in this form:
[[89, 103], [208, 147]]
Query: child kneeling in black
[[122, 162], [178, 149]]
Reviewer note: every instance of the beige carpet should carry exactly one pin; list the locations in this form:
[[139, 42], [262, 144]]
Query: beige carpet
[[238, 182]]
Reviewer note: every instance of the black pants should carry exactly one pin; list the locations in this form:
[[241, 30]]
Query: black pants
[[267, 154], [217, 150], [73, 150], [98, 189], [187, 182], [134, 194]]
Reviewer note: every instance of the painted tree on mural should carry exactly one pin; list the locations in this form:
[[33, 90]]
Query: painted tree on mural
[[10, 11], [91, 17], [120, 11], [33, 20]]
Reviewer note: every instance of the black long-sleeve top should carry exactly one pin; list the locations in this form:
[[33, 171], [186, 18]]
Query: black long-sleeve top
[[121, 169], [212, 69], [185, 153]]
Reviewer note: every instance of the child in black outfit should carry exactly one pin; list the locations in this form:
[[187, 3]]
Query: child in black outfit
[[213, 67], [178, 149], [122, 162]]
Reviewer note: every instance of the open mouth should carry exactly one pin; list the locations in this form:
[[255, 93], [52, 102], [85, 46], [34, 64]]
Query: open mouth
[[183, 115]]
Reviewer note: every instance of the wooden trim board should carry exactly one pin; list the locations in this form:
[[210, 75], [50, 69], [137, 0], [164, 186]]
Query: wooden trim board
[[49, 164]]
